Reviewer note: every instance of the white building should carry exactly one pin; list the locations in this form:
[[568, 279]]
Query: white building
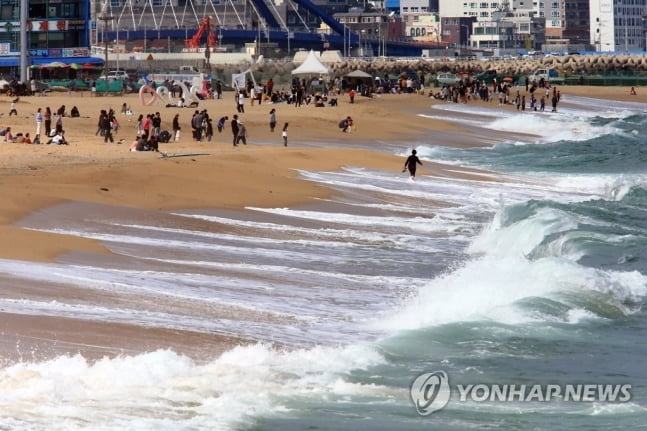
[[617, 25]]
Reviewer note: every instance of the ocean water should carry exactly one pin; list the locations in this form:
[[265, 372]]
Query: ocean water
[[535, 275]]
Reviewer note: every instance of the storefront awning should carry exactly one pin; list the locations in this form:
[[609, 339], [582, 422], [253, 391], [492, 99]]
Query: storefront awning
[[15, 61], [67, 60]]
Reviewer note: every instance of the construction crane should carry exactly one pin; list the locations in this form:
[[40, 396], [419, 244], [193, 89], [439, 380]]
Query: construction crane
[[205, 27]]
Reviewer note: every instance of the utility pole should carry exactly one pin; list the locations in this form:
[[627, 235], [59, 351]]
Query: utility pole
[[105, 19], [23, 40]]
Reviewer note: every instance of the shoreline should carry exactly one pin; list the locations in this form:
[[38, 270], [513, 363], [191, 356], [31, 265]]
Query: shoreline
[[34, 178]]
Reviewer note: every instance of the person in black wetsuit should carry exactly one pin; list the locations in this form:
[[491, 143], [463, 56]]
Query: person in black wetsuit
[[411, 164]]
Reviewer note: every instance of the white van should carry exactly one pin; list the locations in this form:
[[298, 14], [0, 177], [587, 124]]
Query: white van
[[117, 74]]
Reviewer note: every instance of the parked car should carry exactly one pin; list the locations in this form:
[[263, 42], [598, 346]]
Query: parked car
[[448, 78]]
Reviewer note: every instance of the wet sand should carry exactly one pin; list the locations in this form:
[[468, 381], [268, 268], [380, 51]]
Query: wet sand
[[262, 174]]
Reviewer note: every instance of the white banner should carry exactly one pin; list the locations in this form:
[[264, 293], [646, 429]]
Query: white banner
[[238, 80]]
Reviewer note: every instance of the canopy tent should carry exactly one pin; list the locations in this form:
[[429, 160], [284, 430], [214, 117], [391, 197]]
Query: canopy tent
[[358, 74], [361, 81], [311, 66]]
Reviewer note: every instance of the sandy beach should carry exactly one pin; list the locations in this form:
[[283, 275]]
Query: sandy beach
[[261, 174]]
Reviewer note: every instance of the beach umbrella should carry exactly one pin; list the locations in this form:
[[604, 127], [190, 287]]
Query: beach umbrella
[[55, 65]]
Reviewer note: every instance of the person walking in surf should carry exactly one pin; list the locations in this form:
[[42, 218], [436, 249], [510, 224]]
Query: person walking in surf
[[411, 164]]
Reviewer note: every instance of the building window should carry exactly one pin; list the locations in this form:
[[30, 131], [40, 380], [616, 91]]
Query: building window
[[9, 11]]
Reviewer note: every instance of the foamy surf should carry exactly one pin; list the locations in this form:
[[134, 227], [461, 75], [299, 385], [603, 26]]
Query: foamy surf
[[535, 275]]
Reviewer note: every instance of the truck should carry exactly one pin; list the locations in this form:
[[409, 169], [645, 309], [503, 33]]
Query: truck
[[549, 75], [538, 75]]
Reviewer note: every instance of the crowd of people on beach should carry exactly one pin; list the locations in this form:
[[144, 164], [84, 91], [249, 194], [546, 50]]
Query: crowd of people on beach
[[301, 92], [537, 93], [48, 122]]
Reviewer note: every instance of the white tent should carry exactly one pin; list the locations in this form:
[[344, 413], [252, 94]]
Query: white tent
[[311, 66]]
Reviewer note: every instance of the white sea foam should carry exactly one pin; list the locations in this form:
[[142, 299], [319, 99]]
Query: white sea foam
[[501, 274], [166, 391], [571, 124]]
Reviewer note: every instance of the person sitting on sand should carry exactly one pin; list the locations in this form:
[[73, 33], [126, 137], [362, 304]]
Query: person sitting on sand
[[58, 139], [8, 136], [346, 124], [632, 91], [152, 144], [75, 112]]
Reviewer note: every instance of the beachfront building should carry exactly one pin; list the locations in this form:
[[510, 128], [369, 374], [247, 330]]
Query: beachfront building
[[494, 35], [423, 27], [57, 31], [618, 25], [539, 25], [370, 26], [576, 22], [457, 31], [419, 22]]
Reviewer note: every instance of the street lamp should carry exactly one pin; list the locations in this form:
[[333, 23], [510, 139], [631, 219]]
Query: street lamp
[[105, 19]]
